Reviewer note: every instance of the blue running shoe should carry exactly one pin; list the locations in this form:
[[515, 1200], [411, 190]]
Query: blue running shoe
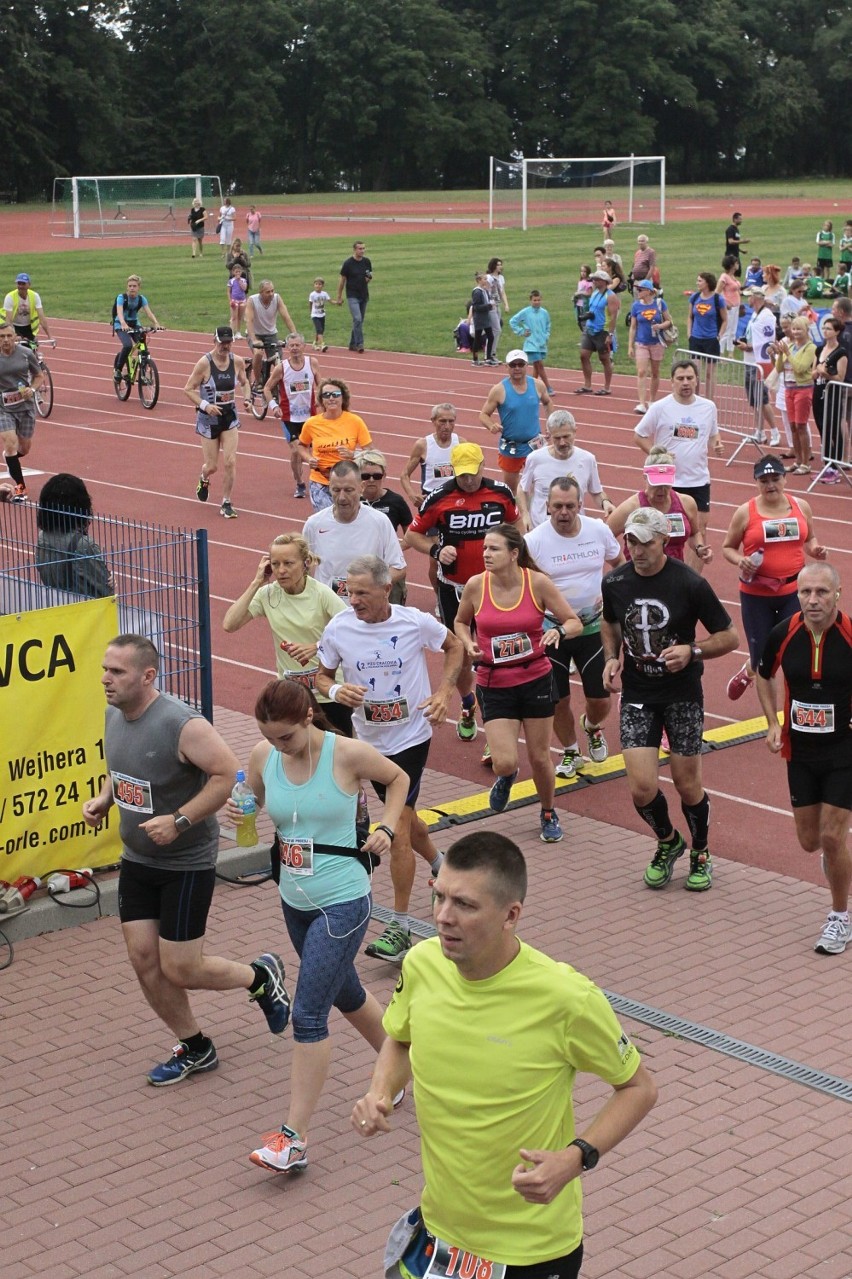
[[551, 831], [272, 998], [499, 796], [183, 1063]]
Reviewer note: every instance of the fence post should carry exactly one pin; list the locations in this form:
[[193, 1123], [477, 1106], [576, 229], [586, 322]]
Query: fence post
[[204, 637]]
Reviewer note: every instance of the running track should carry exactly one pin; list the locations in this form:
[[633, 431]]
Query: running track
[[145, 465]]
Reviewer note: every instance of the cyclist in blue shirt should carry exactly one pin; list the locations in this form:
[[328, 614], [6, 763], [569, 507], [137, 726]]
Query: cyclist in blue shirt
[[128, 308]]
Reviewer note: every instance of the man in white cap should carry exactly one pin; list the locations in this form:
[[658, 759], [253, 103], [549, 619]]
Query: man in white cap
[[651, 607], [602, 310], [516, 400]]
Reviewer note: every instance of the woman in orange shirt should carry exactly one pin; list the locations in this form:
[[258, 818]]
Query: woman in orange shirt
[[333, 436]]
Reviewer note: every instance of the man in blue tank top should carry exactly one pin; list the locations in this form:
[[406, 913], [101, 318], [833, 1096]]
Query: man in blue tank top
[[516, 400], [168, 771]]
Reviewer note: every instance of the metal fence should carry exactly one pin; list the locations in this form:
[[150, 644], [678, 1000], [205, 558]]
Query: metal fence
[[834, 429], [158, 574], [738, 392]]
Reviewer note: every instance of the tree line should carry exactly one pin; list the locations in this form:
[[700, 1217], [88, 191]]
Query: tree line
[[302, 95]]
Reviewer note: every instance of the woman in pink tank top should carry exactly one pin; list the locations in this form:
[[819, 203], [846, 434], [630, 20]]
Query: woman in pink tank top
[[500, 621], [679, 509]]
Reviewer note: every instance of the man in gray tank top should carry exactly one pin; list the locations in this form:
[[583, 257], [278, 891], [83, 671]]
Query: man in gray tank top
[[262, 311], [168, 772]]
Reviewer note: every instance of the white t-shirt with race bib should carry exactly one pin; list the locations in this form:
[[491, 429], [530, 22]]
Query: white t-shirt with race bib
[[338, 544], [576, 564], [685, 430], [541, 469]]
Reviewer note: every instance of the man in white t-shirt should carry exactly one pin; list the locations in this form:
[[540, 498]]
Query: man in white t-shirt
[[347, 528], [755, 345], [559, 458], [686, 425], [576, 551], [381, 649]]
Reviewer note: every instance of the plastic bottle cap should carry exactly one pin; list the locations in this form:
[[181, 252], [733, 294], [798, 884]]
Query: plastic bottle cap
[[241, 777]]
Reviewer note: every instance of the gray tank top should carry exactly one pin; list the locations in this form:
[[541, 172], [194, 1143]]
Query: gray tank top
[[149, 780], [265, 317]]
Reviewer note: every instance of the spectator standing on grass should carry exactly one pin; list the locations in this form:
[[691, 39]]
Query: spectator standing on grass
[[479, 320], [533, 325], [773, 289], [602, 312], [730, 290], [496, 284], [645, 261], [237, 292], [227, 217], [253, 219], [197, 218], [825, 240], [237, 256], [832, 362], [649, 316], [798, 353], [734, 239], [319, 299], [759, 337], [355, 276]]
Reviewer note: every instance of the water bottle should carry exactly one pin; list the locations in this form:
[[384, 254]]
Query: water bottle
[[243, 797], [756, 558]]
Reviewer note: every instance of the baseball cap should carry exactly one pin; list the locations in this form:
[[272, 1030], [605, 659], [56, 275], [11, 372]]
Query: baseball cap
[[757, 292], [769, 465], [466, 459], [600, 275], [647, 283], [224, 333], [646, 524], [23, 278], [517, 355], [660, 472]]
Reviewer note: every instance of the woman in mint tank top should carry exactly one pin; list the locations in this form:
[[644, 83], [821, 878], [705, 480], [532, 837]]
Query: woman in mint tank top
[[308, 777]]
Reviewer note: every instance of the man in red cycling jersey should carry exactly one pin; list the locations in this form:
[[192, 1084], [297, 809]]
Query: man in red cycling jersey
[[451, 527], [813, 652]]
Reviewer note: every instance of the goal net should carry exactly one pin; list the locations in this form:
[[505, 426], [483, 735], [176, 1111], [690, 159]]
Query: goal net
[[547, 191], [145, 204]]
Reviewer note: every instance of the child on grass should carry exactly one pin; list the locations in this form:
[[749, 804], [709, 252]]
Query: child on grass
[[318, 299], [533, 325], [237, 291]]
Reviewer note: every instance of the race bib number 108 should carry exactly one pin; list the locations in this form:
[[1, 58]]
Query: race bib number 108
[[449, 1262]]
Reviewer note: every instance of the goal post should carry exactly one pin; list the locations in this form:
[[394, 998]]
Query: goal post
[[549, 190], [137, 204]]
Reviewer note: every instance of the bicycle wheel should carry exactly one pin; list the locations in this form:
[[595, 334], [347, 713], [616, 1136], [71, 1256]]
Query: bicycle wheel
[[149, 384], [44, 395], [122, 385], [259, 407]]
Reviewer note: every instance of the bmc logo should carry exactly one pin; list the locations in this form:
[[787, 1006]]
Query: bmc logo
[[471, 521]]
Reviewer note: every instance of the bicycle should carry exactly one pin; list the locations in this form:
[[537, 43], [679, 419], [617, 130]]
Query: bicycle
[[259, 405], [44, 395], [141, 369]]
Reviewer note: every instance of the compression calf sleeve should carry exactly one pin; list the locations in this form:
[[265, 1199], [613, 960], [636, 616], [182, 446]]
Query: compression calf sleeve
[[698, 820], [656, 814]]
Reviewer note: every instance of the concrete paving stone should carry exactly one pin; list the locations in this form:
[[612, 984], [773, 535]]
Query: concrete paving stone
[[733, 1243], [59, 1270], [653, 1263], [788, 1266]]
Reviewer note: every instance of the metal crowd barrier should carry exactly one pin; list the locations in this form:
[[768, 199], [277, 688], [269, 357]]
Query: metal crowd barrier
[[737, 391], [836, 452]]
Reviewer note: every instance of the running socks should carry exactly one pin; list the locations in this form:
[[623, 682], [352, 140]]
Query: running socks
[[698, 820], [13, 465], [656, 814]]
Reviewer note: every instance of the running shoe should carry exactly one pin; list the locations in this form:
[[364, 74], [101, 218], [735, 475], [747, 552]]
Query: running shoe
[[392, 944], [466, 727], [700, 876], [273, 999], [738, 684], [324, 349], [641, 408], [300, 490], [498, 796], [659, 871], [834, 936], [571, 763], [598, 749], [492, 361], [485, 757], [551, 831], [830, 476], [183, 1063], [228, 511], [20, 493], [283, 1152], [202, 488], [774, 439]]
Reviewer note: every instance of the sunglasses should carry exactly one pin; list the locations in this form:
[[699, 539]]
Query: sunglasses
[[372, 475], [332, 395], [518, 364]]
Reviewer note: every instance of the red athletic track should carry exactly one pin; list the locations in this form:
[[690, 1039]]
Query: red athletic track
[[30, 232], [145, 465]]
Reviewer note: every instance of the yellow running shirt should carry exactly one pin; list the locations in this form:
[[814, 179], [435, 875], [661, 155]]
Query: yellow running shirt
[[297, 619]]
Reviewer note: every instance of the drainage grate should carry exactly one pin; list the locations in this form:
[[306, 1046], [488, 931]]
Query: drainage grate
[[718, 1042]]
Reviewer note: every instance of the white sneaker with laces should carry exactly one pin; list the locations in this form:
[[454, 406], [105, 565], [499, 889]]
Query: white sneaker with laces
[[834, 936], [283, 1152]]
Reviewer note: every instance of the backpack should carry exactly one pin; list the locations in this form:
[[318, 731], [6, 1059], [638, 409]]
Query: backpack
[[124, 301]]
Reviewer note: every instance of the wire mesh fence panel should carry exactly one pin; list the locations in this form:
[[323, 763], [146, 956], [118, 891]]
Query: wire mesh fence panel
[[833, 415], [158, 574]]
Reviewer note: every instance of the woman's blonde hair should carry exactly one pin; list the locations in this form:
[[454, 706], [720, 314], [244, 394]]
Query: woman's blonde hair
[[302, 549]]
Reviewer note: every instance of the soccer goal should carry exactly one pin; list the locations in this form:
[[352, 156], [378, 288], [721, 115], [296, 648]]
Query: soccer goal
[[144, 204], [546, 191]]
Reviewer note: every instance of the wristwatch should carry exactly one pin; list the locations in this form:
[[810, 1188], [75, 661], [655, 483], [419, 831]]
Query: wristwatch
[[182, 822], [589, 1153], [697, 655]]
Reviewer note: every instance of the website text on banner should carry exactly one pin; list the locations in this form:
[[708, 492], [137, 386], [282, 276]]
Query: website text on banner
[[52, 750]]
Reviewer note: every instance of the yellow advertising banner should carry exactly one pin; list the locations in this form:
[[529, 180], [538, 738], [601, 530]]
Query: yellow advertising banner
[[51, 748]]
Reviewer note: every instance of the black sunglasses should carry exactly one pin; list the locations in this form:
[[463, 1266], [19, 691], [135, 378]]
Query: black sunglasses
[[372, 475]]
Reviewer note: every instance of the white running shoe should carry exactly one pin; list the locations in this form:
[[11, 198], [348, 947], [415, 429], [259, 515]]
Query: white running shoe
[[834, 936]]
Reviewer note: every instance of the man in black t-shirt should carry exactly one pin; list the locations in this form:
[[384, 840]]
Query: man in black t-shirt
[[374, 467], [733, 238], [651, 607], [355, 276], [813, 653]]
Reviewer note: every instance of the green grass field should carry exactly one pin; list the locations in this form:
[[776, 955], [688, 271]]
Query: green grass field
[[421, 280]]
